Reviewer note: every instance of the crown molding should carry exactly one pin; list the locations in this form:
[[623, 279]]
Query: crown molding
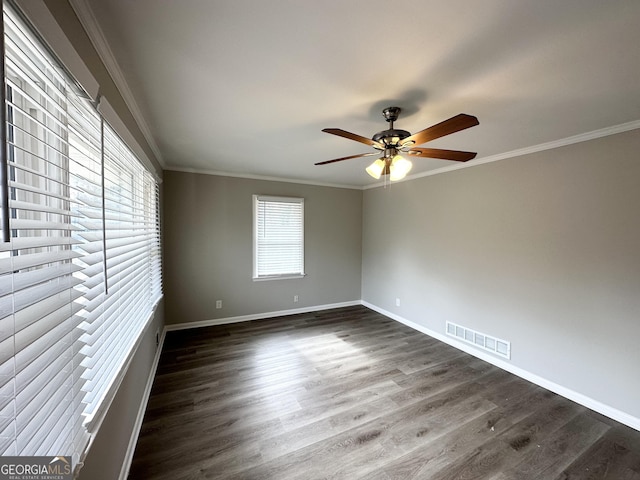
[[261, 177], [88, 20], [583, 137]]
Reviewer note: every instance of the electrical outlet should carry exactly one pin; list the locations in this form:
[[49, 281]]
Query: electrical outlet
[[218, 304], [397, 302], [295, 299]]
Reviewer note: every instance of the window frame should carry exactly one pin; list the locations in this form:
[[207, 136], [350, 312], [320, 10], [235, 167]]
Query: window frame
[[61, 187], [277, 199]]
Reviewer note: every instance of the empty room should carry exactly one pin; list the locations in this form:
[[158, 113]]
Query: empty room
[[320, 240]]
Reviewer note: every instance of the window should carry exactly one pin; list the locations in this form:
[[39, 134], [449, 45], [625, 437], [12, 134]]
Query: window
[[80, 277], [278, 237]]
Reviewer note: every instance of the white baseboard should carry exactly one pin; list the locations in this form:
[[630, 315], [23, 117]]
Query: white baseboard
[[126, 464], [259, 316], [135, 433], [577, 397]]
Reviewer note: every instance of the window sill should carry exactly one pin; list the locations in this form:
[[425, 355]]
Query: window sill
[[279, 277]]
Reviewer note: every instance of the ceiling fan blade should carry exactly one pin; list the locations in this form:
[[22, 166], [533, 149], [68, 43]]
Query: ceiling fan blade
[[452, 125], [347, 158], [352, 136], [457, 155]]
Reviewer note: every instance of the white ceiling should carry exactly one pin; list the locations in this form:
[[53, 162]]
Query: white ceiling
[[245, 87]]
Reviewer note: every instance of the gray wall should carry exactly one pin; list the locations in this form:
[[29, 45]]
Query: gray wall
[[541, 250], [208, 247]]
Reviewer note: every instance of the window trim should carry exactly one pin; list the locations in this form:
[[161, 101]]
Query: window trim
[[285, 276], [141, 205]]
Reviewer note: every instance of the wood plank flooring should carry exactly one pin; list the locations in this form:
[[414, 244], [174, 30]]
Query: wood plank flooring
[[351, 394]]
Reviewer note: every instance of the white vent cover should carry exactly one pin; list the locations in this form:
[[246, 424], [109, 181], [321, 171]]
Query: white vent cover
[[481, 340]]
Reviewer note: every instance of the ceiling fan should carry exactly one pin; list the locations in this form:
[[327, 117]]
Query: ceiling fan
[[391, 142]]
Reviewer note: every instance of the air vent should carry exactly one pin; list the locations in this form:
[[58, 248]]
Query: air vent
[[480, 340]]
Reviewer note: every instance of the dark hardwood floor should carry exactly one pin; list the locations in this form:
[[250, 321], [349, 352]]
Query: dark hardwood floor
[[351, 394]]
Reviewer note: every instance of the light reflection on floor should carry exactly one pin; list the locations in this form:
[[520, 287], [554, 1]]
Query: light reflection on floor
[[282, 361]]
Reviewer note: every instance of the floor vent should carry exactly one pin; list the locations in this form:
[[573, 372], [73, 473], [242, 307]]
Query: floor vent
[[481, 340]]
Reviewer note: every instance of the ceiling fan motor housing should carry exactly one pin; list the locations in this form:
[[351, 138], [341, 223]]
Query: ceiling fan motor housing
[[391, 114], [392, 136]]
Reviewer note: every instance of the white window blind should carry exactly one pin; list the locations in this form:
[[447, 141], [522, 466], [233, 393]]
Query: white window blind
[[80, 278], [278, 237], [133, 268], [41, 364]]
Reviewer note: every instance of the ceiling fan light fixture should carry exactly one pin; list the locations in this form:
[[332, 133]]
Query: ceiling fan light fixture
[[376, 168], [391, 141], [399, 168]]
